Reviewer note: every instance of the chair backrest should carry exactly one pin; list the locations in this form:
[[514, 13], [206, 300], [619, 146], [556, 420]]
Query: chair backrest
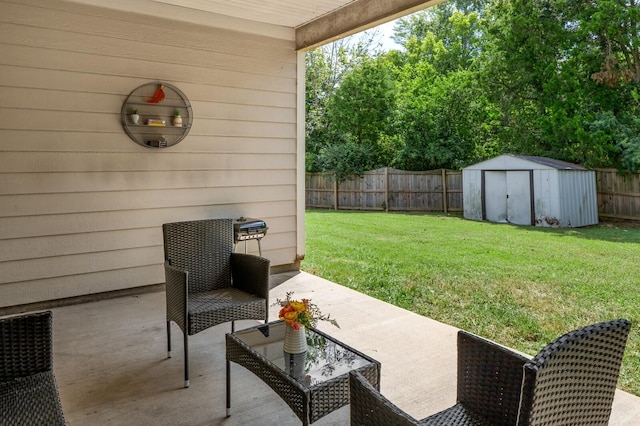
[[203, 248], [26, 345], [573, 379]]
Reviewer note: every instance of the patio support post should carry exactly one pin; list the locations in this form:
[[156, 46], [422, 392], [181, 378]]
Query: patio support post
[[186, 360], [168, 339], [228, 388]]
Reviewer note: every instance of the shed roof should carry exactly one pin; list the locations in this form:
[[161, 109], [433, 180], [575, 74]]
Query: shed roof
[[551, 162], [524, 162]]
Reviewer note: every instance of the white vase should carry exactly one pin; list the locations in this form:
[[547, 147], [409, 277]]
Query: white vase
[[134, 118], [295, 341]]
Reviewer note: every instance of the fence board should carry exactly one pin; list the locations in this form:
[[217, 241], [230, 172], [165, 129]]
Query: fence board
[[441, 191]]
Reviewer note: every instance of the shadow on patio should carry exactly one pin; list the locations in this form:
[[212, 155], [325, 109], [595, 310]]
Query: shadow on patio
[[111, 366]]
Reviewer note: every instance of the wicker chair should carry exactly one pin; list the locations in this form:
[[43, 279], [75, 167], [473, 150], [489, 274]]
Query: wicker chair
[[207, 283], [572, 381], [28, 389]]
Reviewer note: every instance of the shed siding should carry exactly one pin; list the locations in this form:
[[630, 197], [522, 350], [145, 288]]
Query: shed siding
[[81, 205], [472, 194], [547, 206], [579, 210]]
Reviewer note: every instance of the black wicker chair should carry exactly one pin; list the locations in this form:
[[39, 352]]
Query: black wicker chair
[[28, 389], [572, 381], [207, 283]]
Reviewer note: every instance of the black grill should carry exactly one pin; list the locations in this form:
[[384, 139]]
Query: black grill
[[245, 229]]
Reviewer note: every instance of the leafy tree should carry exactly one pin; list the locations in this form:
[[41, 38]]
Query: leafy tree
[[538, 66], [444, 117], [444, 124], [325, 68], [477, 78], [342, 161], [362, 106]]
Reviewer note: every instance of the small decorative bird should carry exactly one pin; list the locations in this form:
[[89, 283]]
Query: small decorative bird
[[157, 96]]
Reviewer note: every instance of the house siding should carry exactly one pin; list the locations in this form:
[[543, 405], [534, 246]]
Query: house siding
[[81, 204]]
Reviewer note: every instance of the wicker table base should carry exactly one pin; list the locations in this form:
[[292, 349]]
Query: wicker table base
[[324, 384]]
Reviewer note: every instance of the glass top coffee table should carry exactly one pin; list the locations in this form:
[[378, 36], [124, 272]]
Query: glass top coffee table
[[314, 383]]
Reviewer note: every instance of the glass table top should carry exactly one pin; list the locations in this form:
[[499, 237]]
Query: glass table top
[[325, 359]]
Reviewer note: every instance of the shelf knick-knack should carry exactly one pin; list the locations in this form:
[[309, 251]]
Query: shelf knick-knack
[[134, 116], [177, 119]]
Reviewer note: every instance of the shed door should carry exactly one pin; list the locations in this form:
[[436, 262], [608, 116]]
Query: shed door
[[507, 196]]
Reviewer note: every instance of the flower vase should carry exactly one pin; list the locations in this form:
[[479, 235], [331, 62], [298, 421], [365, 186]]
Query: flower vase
[[294, 364], [295, 341]]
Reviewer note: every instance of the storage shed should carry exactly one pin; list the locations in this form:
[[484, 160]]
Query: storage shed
[[527, 190]]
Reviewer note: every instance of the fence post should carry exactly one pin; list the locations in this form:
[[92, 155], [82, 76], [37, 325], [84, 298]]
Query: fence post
[[335, 195], [444, 190], [386, 189]]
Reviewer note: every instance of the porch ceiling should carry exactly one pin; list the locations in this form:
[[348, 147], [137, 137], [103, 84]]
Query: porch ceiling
[[315, 22]]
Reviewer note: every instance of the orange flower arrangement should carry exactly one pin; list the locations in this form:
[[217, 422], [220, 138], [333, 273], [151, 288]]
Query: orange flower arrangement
[[301, 312]]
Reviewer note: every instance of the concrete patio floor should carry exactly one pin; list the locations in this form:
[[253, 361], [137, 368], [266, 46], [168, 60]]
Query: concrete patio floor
[[111, 366]]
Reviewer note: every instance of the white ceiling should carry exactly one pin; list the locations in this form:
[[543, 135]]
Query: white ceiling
[[309, 22], [287, 13]]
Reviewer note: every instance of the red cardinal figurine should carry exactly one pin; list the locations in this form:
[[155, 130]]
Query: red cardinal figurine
[[158, 96]]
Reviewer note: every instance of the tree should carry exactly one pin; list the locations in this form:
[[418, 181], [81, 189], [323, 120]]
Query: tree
[[540, 65], [362, 107], [444, 117], [325, 69], [477, 78]]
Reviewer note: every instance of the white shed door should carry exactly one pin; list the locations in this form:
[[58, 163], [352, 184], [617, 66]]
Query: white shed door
[[495, 196], [508, 196]]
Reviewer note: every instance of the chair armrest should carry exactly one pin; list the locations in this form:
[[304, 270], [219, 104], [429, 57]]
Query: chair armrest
[[369, 407], [176, 281], [250, 274], [489, 379]]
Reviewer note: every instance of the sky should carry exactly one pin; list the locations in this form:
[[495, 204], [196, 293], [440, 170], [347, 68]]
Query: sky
[[386, 32]]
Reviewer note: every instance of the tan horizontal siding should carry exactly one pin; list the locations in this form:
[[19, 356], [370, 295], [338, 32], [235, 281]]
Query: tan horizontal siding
[[68, 244], [79, 142], [32, 205], [148, 160], [46, 225], [231, 87], [81, 204], [34, 183], [21, 99], [69, 286]]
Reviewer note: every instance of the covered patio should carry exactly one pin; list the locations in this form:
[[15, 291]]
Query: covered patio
[[82, 205], [112, 369]]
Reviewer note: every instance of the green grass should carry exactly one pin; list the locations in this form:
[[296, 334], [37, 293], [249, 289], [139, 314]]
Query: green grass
[[521, 286]]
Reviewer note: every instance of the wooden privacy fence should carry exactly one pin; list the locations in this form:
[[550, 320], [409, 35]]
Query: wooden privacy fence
[[441, 190], [388, 189], [618, 195]]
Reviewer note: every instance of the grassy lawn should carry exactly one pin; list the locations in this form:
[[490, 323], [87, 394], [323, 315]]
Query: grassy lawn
[[521, 286]]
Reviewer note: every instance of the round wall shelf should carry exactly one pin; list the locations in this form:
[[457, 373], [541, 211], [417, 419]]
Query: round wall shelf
[[158, 124]]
